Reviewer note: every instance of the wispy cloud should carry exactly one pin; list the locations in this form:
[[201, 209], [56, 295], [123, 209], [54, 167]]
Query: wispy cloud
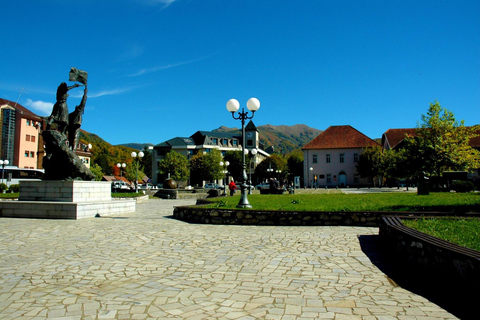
[[111, 92], [165, 3], [40, 107], [168, 66]]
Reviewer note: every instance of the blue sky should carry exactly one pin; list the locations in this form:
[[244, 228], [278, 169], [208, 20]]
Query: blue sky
[[166, 68]]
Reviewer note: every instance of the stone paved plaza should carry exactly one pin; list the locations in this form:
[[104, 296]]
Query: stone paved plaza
[[145, 265]]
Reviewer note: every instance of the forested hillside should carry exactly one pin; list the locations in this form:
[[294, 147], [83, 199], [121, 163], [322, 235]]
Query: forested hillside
[[283, 139]]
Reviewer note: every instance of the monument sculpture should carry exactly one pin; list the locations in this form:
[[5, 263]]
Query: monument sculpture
[[61, 133]]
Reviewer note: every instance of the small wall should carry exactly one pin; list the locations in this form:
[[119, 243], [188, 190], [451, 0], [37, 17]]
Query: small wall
[[199, 214], [411, 246], [65, 191]]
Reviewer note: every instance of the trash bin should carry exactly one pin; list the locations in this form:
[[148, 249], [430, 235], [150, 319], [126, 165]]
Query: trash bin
[[423, 187]]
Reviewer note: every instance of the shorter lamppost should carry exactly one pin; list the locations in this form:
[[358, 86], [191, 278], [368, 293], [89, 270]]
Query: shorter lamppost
[[224, 165], [232, 106], [253, 153], [278, 174], [3, 163], [134, 156], [310, 177], [120, 166], [270, 170]]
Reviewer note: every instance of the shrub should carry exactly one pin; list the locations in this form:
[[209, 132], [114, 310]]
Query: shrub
[[462, 186], [15, 188], [3, 187]]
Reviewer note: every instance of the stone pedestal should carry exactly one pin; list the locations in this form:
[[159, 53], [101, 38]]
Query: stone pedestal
[[64, 200]]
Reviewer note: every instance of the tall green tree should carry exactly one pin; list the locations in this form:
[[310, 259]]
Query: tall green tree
[[371, 164], [206, 167], [97, 171], [295, 165], [235, 168], [268, 168], [174, 164], [442, 143]]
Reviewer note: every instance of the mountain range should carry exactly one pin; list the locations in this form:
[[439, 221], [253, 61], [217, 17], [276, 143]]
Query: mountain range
[[280, 139]]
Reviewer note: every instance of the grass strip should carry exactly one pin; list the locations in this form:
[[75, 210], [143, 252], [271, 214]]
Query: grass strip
[[445, 202], [462, 231]]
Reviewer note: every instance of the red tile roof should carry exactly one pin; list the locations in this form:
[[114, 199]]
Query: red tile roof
[[395, 136], [340, 137]]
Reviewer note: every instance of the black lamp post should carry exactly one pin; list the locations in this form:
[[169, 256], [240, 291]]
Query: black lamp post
[[232, 106]]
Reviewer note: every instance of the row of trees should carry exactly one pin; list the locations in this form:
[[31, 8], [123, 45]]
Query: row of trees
[[211, 166], [440, 144]]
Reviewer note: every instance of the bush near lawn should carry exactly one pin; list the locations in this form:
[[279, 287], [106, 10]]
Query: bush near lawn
[[444, 202]]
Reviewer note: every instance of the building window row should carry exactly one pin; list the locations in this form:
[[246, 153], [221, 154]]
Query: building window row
[[328, 158]]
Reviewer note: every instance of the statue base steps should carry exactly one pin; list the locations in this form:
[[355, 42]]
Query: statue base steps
[[65, 200]]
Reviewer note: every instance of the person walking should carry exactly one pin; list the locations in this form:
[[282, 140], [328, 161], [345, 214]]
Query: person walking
[[232, 187]]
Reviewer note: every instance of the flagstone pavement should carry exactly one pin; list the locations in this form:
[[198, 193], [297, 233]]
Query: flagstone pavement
[[145, 265]]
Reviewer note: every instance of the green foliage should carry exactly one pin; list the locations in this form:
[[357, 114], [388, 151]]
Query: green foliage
[[15, 188], [442, 143], [275, 162], [174, 164], [97, 171], [105, 155], [463, 232], [295, 164], [372, 162], [3, 187], [462, 186], [235, 164]]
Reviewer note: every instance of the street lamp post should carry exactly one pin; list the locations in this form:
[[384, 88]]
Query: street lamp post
[[253, 152], [310, 177], [232, 106], [120, 166], [3, 163], [134, 156]]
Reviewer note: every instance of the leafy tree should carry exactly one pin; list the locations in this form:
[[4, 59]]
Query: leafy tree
[[442, 143], [97, 171], [235, 168], [197, 174], [174, 164], [371, 164], [274, 162], [211, 163], [295, 164]]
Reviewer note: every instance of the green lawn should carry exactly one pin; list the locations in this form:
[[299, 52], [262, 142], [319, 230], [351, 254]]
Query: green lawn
[[446, 202], [464, 232]]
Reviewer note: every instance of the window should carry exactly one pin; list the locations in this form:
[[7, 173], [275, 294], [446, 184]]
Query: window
[[327, 158], [329, 178], [342, 157], [26, 153], [235, 142], [249, 143], [225, 142], [355, 157], [28, 122], [356, 178], [321, 176], [215, 140], [32, 138], [32, 154], [315, 159], [27, 138]]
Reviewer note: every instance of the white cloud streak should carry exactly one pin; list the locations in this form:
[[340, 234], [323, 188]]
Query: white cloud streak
[[42, 108]]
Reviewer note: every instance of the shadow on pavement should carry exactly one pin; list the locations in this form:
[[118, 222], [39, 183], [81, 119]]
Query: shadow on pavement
[[450, 293]]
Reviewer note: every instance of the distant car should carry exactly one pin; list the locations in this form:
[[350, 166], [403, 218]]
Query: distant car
[[264, 186], [214, 186], [120, 185], [145, 186]]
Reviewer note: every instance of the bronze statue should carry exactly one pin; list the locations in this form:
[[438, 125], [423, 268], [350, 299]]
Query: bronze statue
[[60, 135]]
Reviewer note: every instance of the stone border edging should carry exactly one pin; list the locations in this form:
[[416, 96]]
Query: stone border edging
[[199, 214], [413, 246]]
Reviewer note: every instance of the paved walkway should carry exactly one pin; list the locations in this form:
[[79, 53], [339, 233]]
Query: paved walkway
[[145, 265]]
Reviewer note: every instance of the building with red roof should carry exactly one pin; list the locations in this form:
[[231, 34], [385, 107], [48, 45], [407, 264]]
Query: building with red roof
[[330, 159]]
